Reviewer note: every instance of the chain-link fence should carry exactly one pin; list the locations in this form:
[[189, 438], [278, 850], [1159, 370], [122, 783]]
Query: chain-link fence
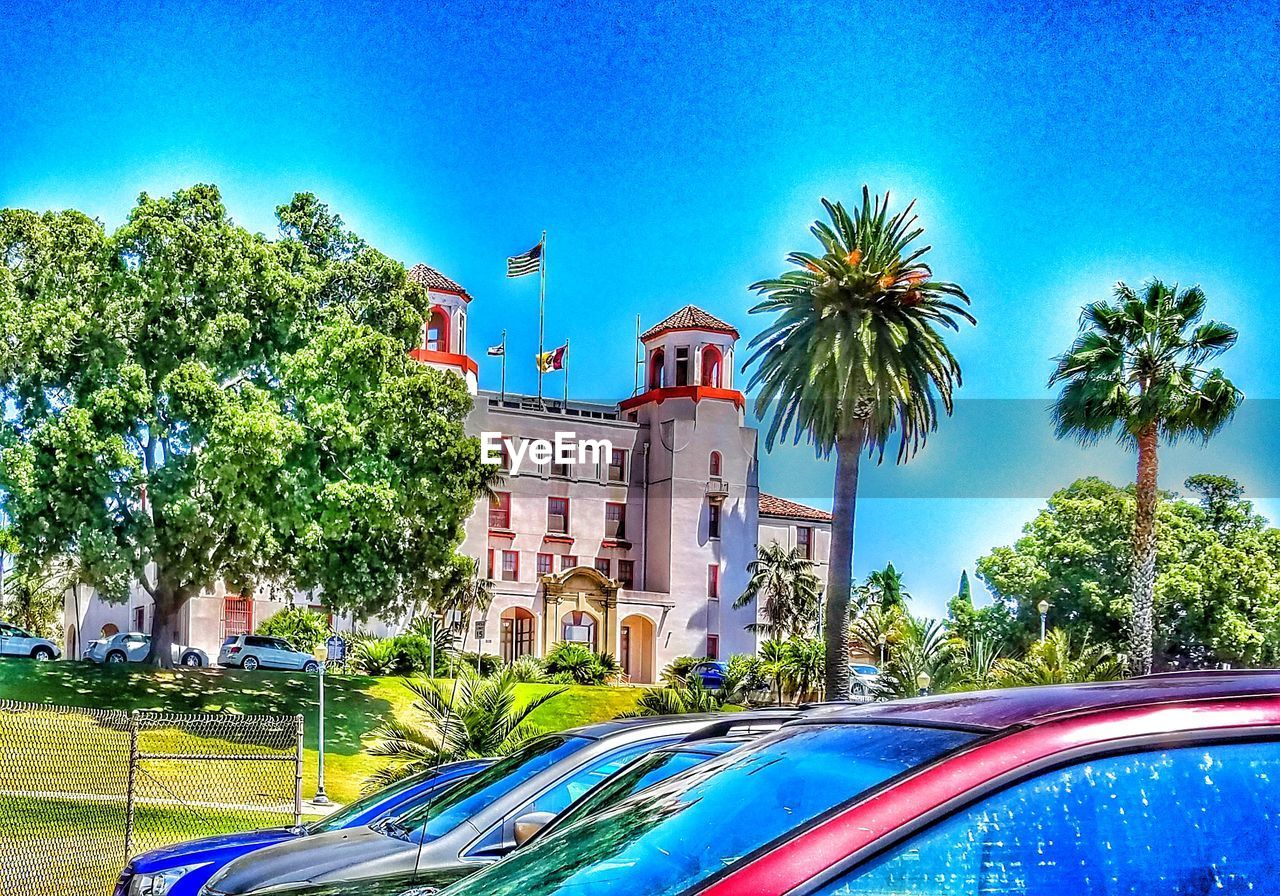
[[82, 790]]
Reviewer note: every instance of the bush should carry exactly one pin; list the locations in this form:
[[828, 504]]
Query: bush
[[678, 700], [527, 670], [303, 629], [376, 656], [466, 662], [413, 654], [678, 669], [569, 662]]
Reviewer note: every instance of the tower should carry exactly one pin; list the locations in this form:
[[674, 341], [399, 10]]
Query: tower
[[444, 333], [702, 478]]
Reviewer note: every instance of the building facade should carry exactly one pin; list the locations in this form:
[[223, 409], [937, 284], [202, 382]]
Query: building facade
[[640, 551]]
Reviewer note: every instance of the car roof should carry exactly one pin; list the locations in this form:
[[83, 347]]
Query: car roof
[[709, 745], [727, 720], [998, 709]]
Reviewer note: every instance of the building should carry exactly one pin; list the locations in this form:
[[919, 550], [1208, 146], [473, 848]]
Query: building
[[640, 553]]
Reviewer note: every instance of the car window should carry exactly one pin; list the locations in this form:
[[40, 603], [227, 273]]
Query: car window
[[231, 639], [457, 804], [675, 835], [389, 796], [255, 642], [1195, 820], [556, 799]]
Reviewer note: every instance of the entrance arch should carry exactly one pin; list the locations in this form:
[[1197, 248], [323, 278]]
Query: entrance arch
[[637, 649], [580, 627], [518, 627]]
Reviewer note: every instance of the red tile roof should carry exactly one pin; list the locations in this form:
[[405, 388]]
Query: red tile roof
[[772, 505], [433, 279], [691, 317]]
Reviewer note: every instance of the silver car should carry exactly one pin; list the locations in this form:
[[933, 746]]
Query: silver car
[[133, 647], [16, 642], [251, 652]]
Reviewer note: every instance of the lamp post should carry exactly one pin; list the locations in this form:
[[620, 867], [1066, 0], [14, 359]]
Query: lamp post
[[1043, 607], [923, 681], [884, 640]]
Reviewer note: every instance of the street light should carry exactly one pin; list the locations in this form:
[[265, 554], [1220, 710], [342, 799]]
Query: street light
[[922, 681], [1043, 607], [884, 640]]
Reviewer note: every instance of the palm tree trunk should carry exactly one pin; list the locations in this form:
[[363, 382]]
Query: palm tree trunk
[[840, 571], [1144, 555]]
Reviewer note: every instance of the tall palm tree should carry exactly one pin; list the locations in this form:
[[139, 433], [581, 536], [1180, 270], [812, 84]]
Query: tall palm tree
[[788, 592], [853, 359], [1138, 371]]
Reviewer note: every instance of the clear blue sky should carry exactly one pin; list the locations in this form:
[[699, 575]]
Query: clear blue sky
[[675, 155]]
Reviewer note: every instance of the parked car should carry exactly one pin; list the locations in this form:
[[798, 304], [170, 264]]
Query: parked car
[[251, 652], [133, 647], [1156, 786], [468, 826], [16, 642], [711, 673], [183, 869]]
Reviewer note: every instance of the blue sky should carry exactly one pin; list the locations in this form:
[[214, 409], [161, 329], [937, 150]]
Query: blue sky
[[675, 154]]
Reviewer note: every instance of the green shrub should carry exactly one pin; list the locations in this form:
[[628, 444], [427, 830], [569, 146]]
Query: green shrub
[[376, 656], [527, 670], [678, 669], [577, 663], [678, 700], [303, 629], [413, 654], [488, 663]]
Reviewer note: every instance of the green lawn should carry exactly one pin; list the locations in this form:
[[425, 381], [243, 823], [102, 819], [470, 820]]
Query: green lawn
[[355, 705]]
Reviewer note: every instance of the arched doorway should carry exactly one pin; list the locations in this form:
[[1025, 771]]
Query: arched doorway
[[518, 627], [438, 331], [712, 362], [636, 652], [580, 627], [657, 370]]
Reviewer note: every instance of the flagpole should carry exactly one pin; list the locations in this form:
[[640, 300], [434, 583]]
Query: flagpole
[[503, 400], [565, 409], [542, 309], [639, 358]]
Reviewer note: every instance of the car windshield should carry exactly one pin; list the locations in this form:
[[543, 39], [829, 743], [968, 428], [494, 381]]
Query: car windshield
[[448, 810], [390, 795], [674, 835], [644, 772]]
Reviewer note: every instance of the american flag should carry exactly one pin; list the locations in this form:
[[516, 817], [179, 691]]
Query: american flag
[[525, 263]]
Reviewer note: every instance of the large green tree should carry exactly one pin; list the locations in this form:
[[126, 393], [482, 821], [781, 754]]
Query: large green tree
[[1216, 599], [853, 359], [190, 404], [1138, 372], [786, 591]]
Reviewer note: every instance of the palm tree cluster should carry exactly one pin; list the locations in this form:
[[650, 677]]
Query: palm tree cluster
[[786, 591]]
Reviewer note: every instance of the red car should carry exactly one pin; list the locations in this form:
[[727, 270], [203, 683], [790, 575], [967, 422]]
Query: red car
[[1159, 786]]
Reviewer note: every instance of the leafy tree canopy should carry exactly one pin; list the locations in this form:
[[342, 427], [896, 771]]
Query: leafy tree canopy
[[188, 403], [1217, 596]]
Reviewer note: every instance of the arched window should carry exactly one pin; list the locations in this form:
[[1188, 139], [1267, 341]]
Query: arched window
[[438, 331], [657, 370], [715, 463], [712, 362], [579, 628]]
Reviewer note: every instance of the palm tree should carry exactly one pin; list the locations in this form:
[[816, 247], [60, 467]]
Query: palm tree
[[1137, 371], [923, 647], [788, 592], [480, 718], [884, 587], [854, 358], [1058, 661]]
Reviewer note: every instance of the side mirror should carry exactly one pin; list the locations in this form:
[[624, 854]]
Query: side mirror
[[528, 825]]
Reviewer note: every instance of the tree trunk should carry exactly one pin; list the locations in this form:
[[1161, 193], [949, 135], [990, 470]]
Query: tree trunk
[[840, 571], [166, 612], [1144, 555]]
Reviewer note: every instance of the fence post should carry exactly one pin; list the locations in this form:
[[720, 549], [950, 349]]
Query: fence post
[[131, 794], [297, 782]]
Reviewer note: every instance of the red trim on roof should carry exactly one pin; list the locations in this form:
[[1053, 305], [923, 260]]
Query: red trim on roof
[[447, 359], [697, 393]]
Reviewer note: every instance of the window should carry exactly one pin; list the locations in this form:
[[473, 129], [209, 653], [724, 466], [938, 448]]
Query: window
[[604, 567], [804, 541], [714, 465], [711, 363], [713, 580], [568, 561], [139, 618], [237, 615], [657, 369], [510, 566], [579, 627], [517, 633], [558, 515], [682, 366], [504, 453], [438, 331], [627, 573], [615, 520], [544, 564], [1187, 820], [564, 471], [618, 465], [713, 519], [713, 647], [500, 510], [491, 566]]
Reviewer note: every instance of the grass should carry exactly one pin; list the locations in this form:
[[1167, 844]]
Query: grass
[[355, 705]]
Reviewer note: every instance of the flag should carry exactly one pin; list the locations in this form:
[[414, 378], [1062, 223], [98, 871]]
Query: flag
[[552, 360], [496, 350], [526, 263]]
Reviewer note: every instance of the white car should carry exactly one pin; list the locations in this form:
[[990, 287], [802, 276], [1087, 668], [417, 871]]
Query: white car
[[133, 647], [251, 652], [15, 642]]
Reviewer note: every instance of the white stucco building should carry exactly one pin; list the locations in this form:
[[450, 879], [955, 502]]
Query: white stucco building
[[640, 553]]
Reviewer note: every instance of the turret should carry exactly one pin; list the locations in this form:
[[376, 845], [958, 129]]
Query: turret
[[688, 355], [444, 333]]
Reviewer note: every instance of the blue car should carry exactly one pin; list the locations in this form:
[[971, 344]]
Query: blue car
[[182, 869], [711, 673]]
